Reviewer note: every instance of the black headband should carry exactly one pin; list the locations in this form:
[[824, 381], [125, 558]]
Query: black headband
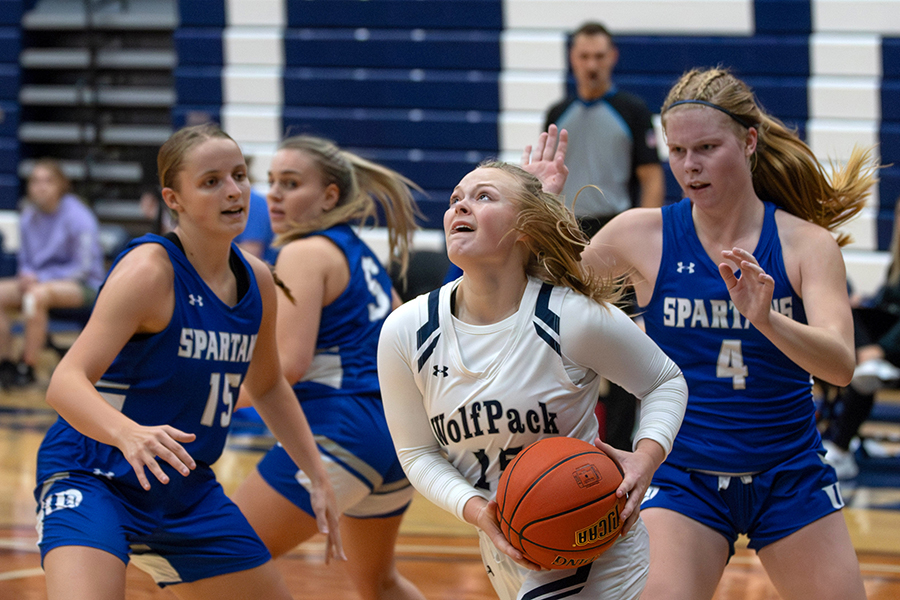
[[742, 120]]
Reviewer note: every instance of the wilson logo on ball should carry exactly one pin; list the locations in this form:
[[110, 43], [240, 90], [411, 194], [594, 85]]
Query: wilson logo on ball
[[604, 528], [586, 476]]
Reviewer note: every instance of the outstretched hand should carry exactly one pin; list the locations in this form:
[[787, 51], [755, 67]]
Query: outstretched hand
[[547, 162], [751, 292], [142, 446]]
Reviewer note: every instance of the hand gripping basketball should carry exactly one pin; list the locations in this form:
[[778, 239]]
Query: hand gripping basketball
[[557, 504]]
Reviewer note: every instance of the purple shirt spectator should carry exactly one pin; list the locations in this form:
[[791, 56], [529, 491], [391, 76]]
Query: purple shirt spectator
[[61, 245]]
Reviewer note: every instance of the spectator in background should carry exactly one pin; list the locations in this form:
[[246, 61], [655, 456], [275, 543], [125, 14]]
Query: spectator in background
[[876, 328], [60, 265], [612, 146]]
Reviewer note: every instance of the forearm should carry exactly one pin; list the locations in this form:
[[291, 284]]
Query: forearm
[[84, 408], [438, 480], [822, 352]]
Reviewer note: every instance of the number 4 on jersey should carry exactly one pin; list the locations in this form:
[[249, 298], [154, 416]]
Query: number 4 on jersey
[[731, 363]]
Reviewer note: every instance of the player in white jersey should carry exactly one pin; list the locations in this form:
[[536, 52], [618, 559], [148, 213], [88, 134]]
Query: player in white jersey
[[513, 352], [327, 334], [743, 284], [179, 325]]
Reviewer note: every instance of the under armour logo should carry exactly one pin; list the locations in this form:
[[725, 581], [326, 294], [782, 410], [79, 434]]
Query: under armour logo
[[198, 300], [101, 473], [682, 267], [440, 371]]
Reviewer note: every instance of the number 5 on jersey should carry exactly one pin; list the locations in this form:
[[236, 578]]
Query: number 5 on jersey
[[228, 391]]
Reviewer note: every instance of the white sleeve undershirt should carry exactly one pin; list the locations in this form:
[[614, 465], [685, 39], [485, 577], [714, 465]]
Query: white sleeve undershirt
[[594, 337]]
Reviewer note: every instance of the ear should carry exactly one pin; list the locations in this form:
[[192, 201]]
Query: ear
[[332, 195], [750, 141], [614, 56], [170, 197]]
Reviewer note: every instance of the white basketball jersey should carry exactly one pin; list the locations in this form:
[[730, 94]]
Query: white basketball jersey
[[482, 419]]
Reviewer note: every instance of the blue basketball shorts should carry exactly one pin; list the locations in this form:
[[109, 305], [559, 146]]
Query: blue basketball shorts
[[200, 534], [358, 453], [766, 506]]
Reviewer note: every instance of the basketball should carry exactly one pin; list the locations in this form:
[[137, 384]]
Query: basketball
[[556, 502]]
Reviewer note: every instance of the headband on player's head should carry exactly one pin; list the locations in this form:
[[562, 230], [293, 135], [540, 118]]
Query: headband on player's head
[[742, 120]]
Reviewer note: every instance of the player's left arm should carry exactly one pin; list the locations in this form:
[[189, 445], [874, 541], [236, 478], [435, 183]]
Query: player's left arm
[[606, 341], [815, 267], [278, 406]]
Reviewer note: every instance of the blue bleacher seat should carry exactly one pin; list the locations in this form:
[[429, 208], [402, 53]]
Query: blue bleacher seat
[[459, 14], [890, 57], [9, 192], [193, 114], [11, 12], [672, 55], [785, 97], [393, 48], [430, 169], [9, 119], [890, 100], [392, 88], [390, 128], [199, 85], [196, 46], [202, 13], [783, 16], [10, 44], [9, 155], [10, 80]]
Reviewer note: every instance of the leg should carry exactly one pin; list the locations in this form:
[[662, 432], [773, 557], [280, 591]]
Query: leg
[[47, 295], [68, 576], [816, 563], [10, 297], [277, 521], [260, 582], [687, 558], [369, 545]]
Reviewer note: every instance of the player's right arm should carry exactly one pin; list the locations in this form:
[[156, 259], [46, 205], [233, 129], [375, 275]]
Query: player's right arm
[[424, 463], [137, 297]]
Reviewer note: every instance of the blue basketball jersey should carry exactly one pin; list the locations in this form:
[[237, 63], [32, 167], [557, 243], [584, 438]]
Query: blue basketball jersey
[[187, 376], [750, 407], [348, 331]]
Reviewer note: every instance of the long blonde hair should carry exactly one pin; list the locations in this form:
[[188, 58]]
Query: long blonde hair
[[360, 183], [785, 170], [553, 237]]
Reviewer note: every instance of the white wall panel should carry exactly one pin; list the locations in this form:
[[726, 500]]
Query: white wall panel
[[534, 50], [523, 90], [701, 17], [844, 98], [255, 12], [253, 46], [834, 139], [873, 16]]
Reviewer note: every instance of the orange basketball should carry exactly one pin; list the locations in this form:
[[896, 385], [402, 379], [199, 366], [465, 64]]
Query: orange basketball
[[556, 502]]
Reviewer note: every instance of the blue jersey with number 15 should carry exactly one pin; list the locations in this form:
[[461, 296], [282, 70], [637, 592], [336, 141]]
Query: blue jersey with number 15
[[749, 407], [188, 375]]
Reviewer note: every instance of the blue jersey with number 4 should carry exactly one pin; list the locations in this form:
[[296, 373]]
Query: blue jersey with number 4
[[750, 407], [188, 375], [347, 343]]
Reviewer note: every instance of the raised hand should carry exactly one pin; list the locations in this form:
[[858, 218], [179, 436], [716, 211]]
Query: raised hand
[[751, 292], [547, 161]]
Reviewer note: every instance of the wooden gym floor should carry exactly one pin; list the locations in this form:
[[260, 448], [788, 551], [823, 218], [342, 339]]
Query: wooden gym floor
[[435, 551]]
